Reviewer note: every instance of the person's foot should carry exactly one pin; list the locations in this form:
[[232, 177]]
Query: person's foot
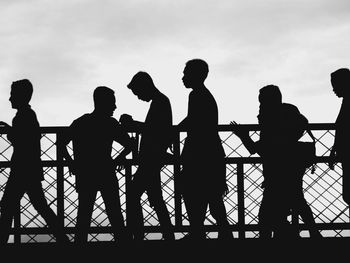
[[225, 235], [316, 235], [63, 239], [190, 237], [168, 236]]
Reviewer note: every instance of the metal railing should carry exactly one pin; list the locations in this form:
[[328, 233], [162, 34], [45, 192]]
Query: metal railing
[[322, 190]]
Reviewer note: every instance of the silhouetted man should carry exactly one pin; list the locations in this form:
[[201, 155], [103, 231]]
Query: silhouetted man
[[92, 136], [282, 170], [340, 80], [155, 140], [26, 169], [203, 177]]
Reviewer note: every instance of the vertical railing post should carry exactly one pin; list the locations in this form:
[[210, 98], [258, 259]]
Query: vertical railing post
[[177, 170], [240, 199], [128, 176], [60, 179], [17, 223]]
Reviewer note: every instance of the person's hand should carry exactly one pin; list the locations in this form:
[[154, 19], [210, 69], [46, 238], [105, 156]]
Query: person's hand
[[72, 168], [237, 130], [119, 163], [2, 123], [125, 119]]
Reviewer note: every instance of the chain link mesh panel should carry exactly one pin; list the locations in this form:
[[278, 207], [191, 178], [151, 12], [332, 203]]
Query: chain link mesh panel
[[322, 191]]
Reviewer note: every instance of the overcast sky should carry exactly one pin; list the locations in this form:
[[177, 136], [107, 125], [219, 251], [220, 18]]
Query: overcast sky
[[67, 48]]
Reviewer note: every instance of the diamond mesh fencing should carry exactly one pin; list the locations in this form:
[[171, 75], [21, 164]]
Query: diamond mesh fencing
[[322, 190]]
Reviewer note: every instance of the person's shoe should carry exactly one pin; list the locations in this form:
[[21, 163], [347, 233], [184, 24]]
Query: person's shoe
[[168, 236]]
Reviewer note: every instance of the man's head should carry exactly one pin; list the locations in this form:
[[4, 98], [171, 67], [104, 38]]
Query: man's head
[[142, 86], [104, 100], [340, 80], [21, 93], [195, 73], [270, 95]]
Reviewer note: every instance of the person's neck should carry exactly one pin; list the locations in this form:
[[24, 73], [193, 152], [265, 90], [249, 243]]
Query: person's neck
[[199, 86], [23, 107], [100, 113]]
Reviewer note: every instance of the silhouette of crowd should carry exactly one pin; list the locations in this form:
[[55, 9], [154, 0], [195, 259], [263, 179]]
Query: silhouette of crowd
[[202, 179]]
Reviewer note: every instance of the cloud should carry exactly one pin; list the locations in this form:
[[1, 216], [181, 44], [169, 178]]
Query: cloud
[[68, 47]]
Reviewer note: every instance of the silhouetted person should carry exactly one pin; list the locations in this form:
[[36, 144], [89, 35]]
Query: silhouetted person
[[282, 170], [203, 177], [92, 136], [156, 135], [340, 80], [26, 169]]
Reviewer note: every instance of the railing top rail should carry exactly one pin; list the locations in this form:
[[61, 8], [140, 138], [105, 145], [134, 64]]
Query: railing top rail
[[221, 127]]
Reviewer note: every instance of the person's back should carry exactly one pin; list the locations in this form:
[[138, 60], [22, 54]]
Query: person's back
[[93, 136], [203, 138], [25, 138], [156, 132]]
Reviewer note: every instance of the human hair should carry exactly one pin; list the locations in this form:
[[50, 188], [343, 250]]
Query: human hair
[[23, 88], [101, 94], [198, 67], [270, 93], [342, 74], [141, 79]]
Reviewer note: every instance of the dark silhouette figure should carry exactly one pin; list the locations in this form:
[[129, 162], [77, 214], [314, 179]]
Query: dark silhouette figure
[[92, 136], [156, 137], [282, 125], [340, 80], [26, 169], [203, 177]]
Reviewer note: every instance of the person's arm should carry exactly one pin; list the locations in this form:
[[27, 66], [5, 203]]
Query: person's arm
[[66, 139], [183, 123], [123, 138], [243, 134], [333, 153], [8, 127], [127, 121]]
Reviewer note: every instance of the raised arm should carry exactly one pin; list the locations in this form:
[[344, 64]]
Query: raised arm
[[243, 134]]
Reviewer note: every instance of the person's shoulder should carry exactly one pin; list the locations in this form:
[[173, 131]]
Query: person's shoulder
[[113, 121], [81, 120], [289, 106], [164, 98], [28, 112], [27, 115]]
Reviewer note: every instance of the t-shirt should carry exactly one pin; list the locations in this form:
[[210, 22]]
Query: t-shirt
[[156, 134], [25, 138], [92, 139]]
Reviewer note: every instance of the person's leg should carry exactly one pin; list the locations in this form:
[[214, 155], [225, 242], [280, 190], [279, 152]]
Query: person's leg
[[218, 211], [86, 199], [197, 205], [346, 182], [135, 213], [266, 215], [304, 210], [110, 195], [9, 202], [39, 202], [155, 197]]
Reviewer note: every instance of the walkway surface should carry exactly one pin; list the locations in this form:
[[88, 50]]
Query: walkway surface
[[248, 250]]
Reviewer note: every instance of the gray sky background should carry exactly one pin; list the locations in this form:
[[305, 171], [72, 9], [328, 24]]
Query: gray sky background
[[67, 48]]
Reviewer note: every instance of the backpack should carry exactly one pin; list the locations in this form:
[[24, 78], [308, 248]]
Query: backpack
[[297, 126]]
